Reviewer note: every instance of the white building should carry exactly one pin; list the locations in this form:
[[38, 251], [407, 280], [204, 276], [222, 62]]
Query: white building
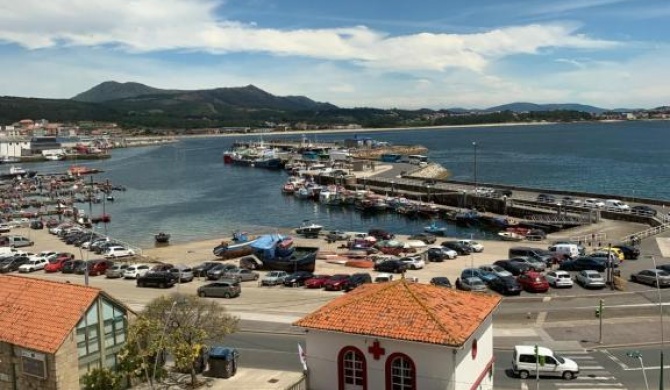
[[13, 147], [401, 336]]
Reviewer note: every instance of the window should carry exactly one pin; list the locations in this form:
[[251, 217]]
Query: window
[[400, 372], [352, 369]]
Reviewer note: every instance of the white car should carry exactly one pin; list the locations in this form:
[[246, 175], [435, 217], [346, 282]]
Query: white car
[[413, 262], [5, 228], [594, 203], [33, 265], [118, 251], [559, 279], [476, 247], [135, 270], [19, 222]]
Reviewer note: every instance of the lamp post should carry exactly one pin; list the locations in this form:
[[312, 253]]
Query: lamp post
[[474, 145], [638, 355], [660, 313], [392, 188]]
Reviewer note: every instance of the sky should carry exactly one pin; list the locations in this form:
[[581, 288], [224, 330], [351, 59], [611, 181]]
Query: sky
[[351, 53]]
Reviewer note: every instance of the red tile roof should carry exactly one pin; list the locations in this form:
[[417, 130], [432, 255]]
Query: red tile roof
[[405, 311], [39, 314]]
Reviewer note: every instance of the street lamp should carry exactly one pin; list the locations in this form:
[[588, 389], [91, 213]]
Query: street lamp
[[660, 313], [638, 355]]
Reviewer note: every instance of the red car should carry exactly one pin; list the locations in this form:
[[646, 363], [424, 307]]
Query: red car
[[532, 281], [99, 267], [336, 282], [65, 256], [316, 281], [55, 265]]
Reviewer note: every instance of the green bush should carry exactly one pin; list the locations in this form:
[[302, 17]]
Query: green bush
[[102, 379]]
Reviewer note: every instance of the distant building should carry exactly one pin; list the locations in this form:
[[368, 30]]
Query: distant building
[[401, 335], [53, 333]]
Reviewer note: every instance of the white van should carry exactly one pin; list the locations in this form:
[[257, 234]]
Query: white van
[[616, 205], [524, 363], [566, 250]]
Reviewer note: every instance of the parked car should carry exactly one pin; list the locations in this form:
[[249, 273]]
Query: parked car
[[559, 279], [394, 266], [413, 262], [298, 278], [583, 263], [224, 288], [336, 282], [383, 278], [316, 281], [532, 263], [471, 284], [242, 275], [99, 267], [643, 210], [183, 273], [440, 254], [590, 279], [461, 249], [55, 265], [20, 242], [606, 257], [337, 235], [70, 266], [133, 271], [543, 255], [506, 285], [219, 270], [356, 280], [496, 270], [12, 263], [425, 237], [381, 234], [33, 265], [485, 276], [546, 198], [475, 246], [116, 270], [651, 276], [616, 205], [201, 270], [274, 278], [515, 268], [159, 279], [570, 201], [532, 281], [629, 252], [594, 203], [5, 228], [441, 281], [118, 251]]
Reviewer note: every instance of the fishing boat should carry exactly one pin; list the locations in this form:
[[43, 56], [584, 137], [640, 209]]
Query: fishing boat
[[104, 218], [162, 238], [240, 246], [435, 229], [309, 229], [16, 171], [270, 252], [79, 170], [510, 236]]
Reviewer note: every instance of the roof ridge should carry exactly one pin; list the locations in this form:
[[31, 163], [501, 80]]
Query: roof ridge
[[427, 310]]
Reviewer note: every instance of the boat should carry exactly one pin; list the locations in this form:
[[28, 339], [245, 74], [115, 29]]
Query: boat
[[162, 238], [104, 218], [228, 156], [79, 170], [110, 198], [9, 160], [54, 156], [433, 228], [270, 253], [16, 171], [510, 236], [311, 229], [240, 246]]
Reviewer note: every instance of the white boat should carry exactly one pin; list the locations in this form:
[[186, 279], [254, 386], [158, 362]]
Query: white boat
[[311, 229], [54, 157], [510, 236]]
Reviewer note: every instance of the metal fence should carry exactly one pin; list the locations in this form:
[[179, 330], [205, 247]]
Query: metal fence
[[301, 384]]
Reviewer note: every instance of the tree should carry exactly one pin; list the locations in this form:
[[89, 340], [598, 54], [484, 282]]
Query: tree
[[102, 379], [180, 325]]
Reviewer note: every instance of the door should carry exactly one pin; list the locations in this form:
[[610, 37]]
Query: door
[[550, 367]]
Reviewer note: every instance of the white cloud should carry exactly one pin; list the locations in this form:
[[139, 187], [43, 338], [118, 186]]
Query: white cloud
[[140, 26]]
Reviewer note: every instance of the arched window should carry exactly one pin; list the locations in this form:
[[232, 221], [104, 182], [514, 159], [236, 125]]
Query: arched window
[[351, 369], [400, 372]]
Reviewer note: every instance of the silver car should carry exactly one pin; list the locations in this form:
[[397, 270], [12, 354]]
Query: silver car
[[116, 270], [183, 273], [242, 275], [471, 284], [649, 276], [496, 270], [559, 279], [590, 279], [274, 278]]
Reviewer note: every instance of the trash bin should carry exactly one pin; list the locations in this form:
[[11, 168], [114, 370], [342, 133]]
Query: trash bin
[[223, 362]]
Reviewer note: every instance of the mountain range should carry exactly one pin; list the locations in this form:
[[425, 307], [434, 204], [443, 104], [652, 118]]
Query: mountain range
[[135, 104]]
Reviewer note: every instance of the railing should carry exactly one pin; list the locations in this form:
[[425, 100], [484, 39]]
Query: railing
[[301, 384], [594, 237]]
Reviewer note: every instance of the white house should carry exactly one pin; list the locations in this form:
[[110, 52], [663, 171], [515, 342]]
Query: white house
[[401, 336]]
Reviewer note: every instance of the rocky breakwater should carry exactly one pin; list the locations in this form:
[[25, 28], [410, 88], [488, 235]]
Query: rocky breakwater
[[431, 171]]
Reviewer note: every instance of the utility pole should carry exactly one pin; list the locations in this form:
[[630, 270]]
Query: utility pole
[[599, 315]]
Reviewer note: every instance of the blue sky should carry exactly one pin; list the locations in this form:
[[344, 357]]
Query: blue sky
[[423, 53]]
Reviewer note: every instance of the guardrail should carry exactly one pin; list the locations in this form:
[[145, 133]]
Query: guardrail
[[301, 384]]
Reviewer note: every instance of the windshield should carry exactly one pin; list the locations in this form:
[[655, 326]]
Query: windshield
[[560, 359]]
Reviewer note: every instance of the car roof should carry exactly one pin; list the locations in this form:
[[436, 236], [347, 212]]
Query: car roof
[[530, 350]]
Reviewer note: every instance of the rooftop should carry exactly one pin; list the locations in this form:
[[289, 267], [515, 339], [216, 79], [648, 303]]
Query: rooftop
[[39, 314], [405, 311]]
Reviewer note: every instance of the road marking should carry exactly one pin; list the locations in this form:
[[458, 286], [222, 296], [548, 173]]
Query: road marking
[[591, 367], [595, 378], [591, 388], [524, 386], [615, 359]]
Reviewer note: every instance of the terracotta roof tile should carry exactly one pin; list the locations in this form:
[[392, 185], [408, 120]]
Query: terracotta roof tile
[[39, 314], [405, 311]]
